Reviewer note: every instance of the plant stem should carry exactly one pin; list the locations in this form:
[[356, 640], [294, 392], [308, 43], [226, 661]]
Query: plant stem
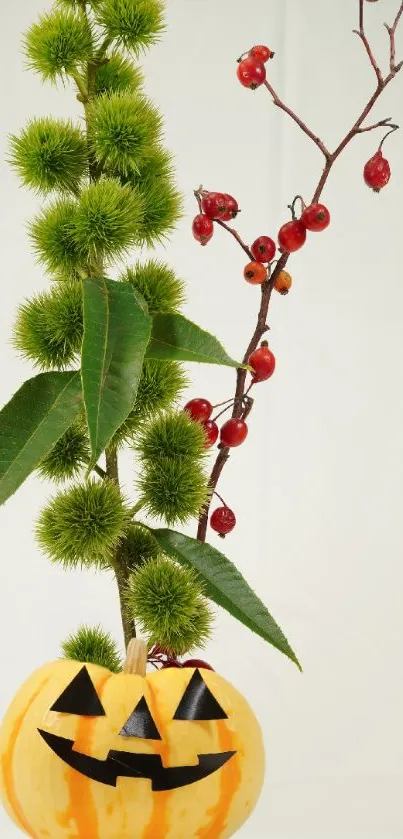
[[240, 410], [119, 562]]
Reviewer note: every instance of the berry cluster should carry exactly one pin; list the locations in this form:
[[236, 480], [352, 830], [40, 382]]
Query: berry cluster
[[234, 431], [251, 71], [264, 270]]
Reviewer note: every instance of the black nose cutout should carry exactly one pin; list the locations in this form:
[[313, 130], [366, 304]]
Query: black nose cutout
[[80, 697], [198, 703], [141, 723]]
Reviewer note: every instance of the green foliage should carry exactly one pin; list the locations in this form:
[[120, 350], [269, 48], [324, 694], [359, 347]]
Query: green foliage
[[49, 327], [135, 24], [140, 546], [163, 203], [68, 456], [32, 422], [107, 219], [124, 127], [50, 154], [160, 386], [116, 333], [225, 585], [174, 490], [172, 435], [92, 645], [159, 285], [59, 42], [168, 603], [118, 75], [83, 525], [52, 234]]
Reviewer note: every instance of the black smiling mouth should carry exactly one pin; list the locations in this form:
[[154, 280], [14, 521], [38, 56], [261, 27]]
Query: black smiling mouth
[[132, 765]]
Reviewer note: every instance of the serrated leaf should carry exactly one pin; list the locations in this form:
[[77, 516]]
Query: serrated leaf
[[225, 585], [32, 423], [116, 333], [175, 338]]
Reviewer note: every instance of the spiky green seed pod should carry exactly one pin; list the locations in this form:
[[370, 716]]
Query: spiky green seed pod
[[49, 327], [118, 75], [124, 127], [174, 490], [68, 456], [161, 385], [78, 4], [50, 154], [135, 24], [168, 603], [163, 204], [83, 525], [172, 435], [107, 219], [163, 291], [59, 42], [139, 546], [92, 645], [52, 234]]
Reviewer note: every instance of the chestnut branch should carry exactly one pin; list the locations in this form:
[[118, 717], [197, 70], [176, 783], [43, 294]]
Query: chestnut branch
[[240, 410]]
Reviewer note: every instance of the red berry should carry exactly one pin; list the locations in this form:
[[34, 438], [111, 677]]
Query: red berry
[[231, 208], [199, 409], [172, 662], [255, 273], [234, 432], [197, 662], [292, 236], [251, 73], [316, 217], [261, 52], [214, 205], [263, 249], [377, 172], [263, 363], [203, 228], [211, 429], [223, 520]]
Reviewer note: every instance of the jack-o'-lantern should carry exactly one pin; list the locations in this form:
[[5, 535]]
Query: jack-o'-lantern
[[88, 754]]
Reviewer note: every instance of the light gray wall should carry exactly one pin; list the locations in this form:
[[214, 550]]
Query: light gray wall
[[318, 487]]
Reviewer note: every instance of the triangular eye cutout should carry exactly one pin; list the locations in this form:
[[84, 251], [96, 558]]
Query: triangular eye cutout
[[141, 723], [80, 697], [198, 703]]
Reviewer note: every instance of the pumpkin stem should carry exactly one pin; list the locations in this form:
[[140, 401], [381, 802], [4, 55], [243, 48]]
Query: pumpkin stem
[[136, 657]]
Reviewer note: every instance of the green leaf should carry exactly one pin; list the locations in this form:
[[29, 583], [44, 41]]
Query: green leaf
[[175, 338], [32, 423], [116, 334], [225, 585]]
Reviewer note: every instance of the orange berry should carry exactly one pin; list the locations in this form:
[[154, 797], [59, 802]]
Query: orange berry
[[255, 273], [283, 282]]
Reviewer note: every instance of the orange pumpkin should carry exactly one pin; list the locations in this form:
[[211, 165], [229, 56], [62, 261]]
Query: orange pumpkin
[[88, 754]]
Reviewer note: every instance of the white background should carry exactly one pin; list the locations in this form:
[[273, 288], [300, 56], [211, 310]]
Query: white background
[[317, 489]]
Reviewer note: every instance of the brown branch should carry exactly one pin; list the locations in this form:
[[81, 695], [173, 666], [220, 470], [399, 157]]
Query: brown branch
[[392, 37], [283, 107], [361, 34], [267, 287], [236, 236]]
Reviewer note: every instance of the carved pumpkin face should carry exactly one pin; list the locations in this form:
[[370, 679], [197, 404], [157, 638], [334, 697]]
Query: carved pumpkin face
[[88, 754]]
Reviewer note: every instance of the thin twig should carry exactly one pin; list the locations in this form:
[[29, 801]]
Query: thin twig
[[361, 34], [240, 410], [280, 104], [236, 236], [383, 123]]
